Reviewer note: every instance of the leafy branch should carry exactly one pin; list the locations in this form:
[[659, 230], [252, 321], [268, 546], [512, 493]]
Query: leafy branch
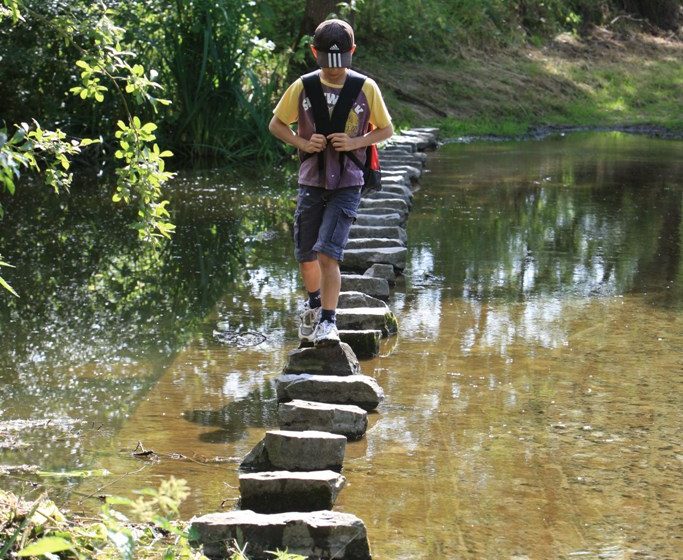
[[142, 174]]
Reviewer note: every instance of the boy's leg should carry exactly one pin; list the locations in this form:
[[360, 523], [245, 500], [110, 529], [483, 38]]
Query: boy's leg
[[307, 219], [340, 213], [310, 272]]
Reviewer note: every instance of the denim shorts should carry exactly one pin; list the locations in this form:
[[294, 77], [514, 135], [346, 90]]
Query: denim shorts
[[322, 221]]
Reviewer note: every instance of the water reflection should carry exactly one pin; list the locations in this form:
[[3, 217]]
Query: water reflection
[[533, 392], [101, 315]]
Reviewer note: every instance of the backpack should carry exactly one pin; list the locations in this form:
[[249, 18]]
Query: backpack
[[328, 124]]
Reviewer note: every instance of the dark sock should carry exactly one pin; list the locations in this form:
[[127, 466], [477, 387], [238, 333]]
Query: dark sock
[[314, 299], [328, 315]]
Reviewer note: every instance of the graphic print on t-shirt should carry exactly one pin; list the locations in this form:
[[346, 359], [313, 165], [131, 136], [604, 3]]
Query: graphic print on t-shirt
[[353, 120]]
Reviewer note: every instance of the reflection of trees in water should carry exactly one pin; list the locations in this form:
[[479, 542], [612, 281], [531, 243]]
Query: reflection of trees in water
[[101, 314], [612, 226]]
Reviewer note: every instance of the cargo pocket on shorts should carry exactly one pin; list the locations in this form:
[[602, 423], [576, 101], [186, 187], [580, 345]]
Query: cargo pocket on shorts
[[345, 219], [297, 229]]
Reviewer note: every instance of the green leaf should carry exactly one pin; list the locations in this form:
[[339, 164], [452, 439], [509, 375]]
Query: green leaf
[[8, 287], [149, 128], [83, 64], [119, 501], [46, 545], [88, 141], [166, 153], [73, 474]]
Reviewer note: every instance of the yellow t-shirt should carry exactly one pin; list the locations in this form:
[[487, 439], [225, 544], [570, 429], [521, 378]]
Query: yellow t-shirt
[[368, 109]]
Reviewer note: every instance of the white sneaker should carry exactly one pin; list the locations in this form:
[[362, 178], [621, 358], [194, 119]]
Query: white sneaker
[[326, 334], [308, 320]]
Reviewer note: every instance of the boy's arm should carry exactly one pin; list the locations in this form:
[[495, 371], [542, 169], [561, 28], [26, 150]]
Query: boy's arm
[[344, 143], [280, 130]]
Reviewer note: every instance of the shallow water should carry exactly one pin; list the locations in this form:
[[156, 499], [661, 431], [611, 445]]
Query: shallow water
[[533, 393]]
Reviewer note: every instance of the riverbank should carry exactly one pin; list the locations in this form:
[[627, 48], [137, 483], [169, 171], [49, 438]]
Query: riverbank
[[602, 80]]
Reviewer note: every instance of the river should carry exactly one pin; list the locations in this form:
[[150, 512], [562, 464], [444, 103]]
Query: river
[[533, 394]]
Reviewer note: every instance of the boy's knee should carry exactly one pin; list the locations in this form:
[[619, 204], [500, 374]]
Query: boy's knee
[[326, 261]]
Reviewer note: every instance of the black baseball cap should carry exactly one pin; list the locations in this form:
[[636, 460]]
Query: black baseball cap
[[334, 41]]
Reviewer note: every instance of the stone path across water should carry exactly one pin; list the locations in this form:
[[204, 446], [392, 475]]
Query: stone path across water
[[290, 481]]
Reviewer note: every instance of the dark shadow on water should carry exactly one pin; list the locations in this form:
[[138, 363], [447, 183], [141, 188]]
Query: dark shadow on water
[[257, 410]]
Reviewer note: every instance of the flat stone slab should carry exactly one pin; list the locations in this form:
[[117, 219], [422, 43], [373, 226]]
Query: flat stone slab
[[375, 287], [393, 203], [382, 211], [379, 270], [362, 259], [359, 299], [329, 360], [307, 450], [386, 232], [413, 172], [282, 491], [359, 390], [367, 318], [417, 159], [392, 219], [343, 419], [396, 173], [365, 344], [316, 535], [388, 195], [373, 243]]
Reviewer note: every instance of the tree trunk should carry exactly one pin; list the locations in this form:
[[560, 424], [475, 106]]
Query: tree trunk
[[665, 14], [316, 11]]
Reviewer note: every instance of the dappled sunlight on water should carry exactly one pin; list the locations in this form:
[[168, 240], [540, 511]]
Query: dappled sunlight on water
[[533, 393]]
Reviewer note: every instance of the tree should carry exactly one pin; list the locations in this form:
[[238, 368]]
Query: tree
[[103, 60]]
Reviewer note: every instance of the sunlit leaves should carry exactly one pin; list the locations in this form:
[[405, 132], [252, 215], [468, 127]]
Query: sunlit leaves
[[143, 175], [11, 9], [103, 60]]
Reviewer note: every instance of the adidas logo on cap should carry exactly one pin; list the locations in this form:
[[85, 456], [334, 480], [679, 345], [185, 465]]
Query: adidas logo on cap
[[334, 47]]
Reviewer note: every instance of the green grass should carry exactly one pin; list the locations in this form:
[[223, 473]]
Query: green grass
[[592, 82]]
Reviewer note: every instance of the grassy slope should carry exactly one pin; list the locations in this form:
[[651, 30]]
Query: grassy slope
[[600, 80]]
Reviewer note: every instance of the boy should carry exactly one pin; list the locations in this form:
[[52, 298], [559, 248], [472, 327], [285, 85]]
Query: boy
[[329, 185]]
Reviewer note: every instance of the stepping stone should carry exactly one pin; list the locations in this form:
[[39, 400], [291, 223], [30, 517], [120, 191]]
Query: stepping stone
[[405, 140], [343, 419], [314, 535], [359, 299], [309, 450], [385, 271], [413, 172], [367, 318], [362, 259], [384, 195], [383, 211], [417, 159], [375, 287], [397, 188], [427, 130], [388, 232], [373, 243], [365, 344], [359, 390], [282, 491], [396, 174], [392, 219], [328, 360], [392, 203]]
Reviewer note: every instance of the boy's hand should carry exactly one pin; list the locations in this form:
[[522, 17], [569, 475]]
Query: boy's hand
[[316, 143], [341, 142]]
